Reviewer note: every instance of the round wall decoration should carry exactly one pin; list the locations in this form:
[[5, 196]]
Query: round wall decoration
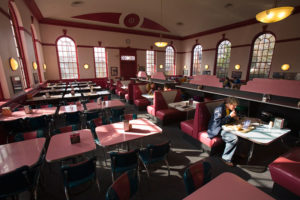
[[131, 20]]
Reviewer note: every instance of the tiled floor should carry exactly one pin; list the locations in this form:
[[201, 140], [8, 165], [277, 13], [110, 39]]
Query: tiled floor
[[184, 151]]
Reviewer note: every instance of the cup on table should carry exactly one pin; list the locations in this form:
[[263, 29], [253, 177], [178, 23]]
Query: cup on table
[[27, 109]]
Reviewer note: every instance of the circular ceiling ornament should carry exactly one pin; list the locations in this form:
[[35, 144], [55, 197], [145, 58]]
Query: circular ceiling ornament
[[131, 20]]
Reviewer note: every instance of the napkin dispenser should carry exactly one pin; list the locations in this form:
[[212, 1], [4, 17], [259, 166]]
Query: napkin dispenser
[[72, 92], [6, 111], [75, 138], [47, 95], [27, 109], [126, 125], [279, 123], [99, 101], [92, 89]]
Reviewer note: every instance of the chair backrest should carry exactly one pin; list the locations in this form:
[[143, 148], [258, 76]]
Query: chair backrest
[[29, 135], [14, 182], [35, 123], [124, 187], [161, 99], [158, 151], [91, 115], [72, 117], [196, 176], [79, 173], [203, 112], [137, 92], [66, 129], [116, 115], [123, 161]]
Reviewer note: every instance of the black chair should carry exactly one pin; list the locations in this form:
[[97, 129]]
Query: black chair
[[72, 118], [155, 153], [13, 127], [123, 161], [15, 182], [124, 187], [77, 174]]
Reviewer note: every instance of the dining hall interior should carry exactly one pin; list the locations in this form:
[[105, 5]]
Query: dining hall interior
[[161, 99]]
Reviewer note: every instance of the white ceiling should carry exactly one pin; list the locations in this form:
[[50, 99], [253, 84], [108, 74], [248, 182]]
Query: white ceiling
[[196, 15]]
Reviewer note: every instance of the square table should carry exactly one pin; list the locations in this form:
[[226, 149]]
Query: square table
[[35, 113], [228, 186], [96, 93], [60, 146], [184, 106], [18, 154], [70, 108], [112, 134], [262, 135], [104, 105], [44, 98]]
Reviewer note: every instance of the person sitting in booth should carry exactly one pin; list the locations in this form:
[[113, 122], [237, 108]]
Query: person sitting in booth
[[227, 83], [167, 87], [150, 87], [224, 114], [236, 83]]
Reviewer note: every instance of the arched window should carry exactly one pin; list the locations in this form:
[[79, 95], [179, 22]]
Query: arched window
[[67, 56], [15, 23], [150, 62], [262, 56], [197, 58], [170, 61], [100, 62], [223, 59]]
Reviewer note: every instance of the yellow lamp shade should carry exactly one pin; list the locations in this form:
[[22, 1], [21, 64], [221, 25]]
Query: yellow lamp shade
[[161, 44], [161, 66], [45, 66], [85, 66], [206, 66], [237, 67], [274, 14], [285, 67], [13, 64], [34, 65]]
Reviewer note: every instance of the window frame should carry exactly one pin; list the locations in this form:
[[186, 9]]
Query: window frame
[[57, 53], [216, 59], [106, 68], [252, 51], [174, 68], [154, 62], [192, 65], [20, 48]]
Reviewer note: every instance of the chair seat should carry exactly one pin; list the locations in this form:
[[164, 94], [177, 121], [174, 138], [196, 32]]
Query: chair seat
[[285, 170], [143, 102], [203, 137], [187, 126], [169, 114], [151, 110]]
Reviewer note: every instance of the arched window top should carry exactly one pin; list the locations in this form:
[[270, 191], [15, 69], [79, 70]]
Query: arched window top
[[197, 58], [223, 59], [262, 54], [67, 56], [170, 61]]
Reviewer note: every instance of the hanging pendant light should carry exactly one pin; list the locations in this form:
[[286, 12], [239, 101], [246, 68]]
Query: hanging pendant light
[[274, 14], [161, 43]]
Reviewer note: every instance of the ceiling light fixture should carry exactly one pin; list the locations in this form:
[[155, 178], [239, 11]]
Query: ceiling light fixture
[[274, 14], [161, 43]]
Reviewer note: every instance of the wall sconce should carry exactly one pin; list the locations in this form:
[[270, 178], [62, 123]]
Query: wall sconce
[[185, 67], [13, 64], [285, 67], [206, 66], [85, 66], [161, 66], [34, 65], [237, 67], [45, 66]]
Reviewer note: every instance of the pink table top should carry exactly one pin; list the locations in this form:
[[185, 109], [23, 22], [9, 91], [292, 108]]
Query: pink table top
[[22, 114], [112, 134], [105, 104], [18, 154], [60, 146], [70, 108], [228, 186]]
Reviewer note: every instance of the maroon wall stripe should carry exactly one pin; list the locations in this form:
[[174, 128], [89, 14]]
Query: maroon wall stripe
[[101, 17], [21, 28], [6, 14], [34, 9]]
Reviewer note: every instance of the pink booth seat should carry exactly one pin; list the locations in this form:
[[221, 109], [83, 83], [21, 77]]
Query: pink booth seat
[[111, 86], [160, 108], [197, 127], [129, 95], [140, 101], [285, 170]]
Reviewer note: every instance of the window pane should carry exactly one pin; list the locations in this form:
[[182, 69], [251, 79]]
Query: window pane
[[100, 62], [150, 62], [170, 59], [260, 66], [223, 59]]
